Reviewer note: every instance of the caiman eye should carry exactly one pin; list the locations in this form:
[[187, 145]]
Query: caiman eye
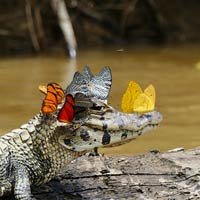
[[96, 107]]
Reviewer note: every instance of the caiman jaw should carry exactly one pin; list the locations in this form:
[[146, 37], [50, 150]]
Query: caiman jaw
[[116, 121], [110, 129]]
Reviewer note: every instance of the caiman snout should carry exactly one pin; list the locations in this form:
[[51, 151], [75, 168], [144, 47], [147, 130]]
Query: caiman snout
[[151, 118], [118, 121]]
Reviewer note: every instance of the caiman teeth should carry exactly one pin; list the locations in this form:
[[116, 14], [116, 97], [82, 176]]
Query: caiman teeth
[[153, 125]]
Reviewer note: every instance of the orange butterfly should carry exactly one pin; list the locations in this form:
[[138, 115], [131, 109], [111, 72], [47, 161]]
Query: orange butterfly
[[67, 112], [54, 96]]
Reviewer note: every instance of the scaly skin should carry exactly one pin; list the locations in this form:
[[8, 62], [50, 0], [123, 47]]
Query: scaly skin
[[37, 151], [31, 155]]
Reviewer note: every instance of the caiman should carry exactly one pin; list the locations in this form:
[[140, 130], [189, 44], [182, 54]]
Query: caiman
[[36, 152]]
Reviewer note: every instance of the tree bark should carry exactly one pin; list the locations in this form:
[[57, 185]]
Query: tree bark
[[171, 175]]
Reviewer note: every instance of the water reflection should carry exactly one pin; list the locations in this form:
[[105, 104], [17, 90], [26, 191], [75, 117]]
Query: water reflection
[[171, 70]]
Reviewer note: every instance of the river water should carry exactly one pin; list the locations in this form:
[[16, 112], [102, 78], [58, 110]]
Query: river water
[[172, 70]]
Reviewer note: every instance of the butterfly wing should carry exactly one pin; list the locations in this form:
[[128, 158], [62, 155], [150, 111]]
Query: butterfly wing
[[87, 73], [66, 113], [132, 92], [59, 92], [100, 85], [146, 101], [142, 104], [50, 102], [78, 85], [79, 82], [54, 95], [43, 89], [91, 86], [151, 93]]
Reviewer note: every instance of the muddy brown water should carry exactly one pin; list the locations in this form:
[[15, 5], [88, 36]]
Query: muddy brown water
[[170, 69]]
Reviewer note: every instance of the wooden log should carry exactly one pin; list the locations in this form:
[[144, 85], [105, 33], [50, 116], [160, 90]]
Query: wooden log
[[154, 175]]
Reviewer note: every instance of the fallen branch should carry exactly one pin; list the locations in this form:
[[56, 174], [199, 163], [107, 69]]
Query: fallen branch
[[171, 175]]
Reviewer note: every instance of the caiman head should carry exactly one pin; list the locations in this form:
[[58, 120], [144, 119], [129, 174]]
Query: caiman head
[[102, 125], [109, 128]]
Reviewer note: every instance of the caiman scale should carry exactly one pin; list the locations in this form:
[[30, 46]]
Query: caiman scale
[[37, 151]]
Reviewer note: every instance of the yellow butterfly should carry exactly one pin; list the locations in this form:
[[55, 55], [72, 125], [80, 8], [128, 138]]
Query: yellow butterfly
[[134, 100]]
